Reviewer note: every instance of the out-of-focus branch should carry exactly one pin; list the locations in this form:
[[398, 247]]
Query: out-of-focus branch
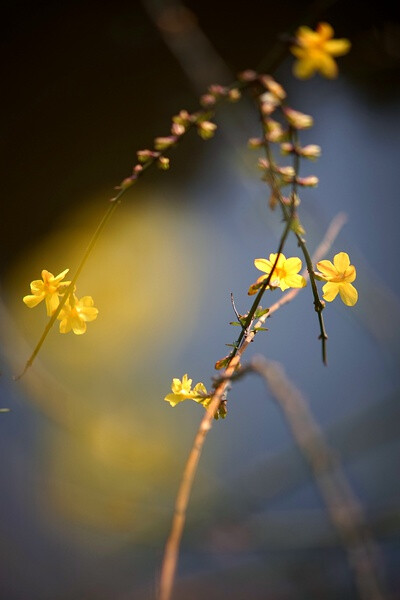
[[342, 505]]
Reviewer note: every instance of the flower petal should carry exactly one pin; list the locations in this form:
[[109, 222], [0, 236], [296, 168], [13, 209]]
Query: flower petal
[[32, 300], [78, 325], [325, 31], [304, 68], [65, 326], [306, 36], [330, 291], [341, 261], [61, 275], [282, 284], [350, 274], [295, 281], [89, 314], [337, 47], [327, 65], [292, 265], [298, 51], [281, 259], [348, 293], [52, 303], [327, 269], [37, 286], [86, 301], [173, 399], [262, 264], [47, 276]]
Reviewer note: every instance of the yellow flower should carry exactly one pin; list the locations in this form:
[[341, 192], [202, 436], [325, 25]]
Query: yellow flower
[[75, 313], [284, 276], [339, 276], [48, 288], [315, 49], [182, 390]]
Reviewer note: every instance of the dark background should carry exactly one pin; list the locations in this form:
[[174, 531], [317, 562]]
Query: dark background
[[85, 85]]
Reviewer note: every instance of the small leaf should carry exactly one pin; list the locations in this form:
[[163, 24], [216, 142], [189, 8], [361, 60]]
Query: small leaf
[[260, 312], [260, 329], [222, 363]]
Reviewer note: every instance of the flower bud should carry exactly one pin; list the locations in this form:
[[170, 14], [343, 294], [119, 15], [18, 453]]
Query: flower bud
[[269, 102], [234, 95], [312, 151], [273, 86], [138, 168], [274, 131], [127, 182], [177, 129], [207, 100], [183, 118], [163, 163], [287, 173], [145, 155], [206, 129], [254, 143], [297, 119], [163, 143], [310, 181], [287, 148], [263, 164], [247, 76], [217, 90]]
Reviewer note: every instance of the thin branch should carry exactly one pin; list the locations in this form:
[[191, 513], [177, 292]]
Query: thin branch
[[287, 214], [171, 551]]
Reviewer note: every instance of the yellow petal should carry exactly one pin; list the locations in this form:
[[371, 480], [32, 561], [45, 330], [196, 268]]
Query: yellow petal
[[327, 66], [32, 301], [325, 31], [46, 275], [330, 291], [298, 51], [186, 382], [283, 285], [306, 36], [200, 391], [341, 261], [86, 301], [37, 286], [327, 269], [52, 303], [295, 281], [89, 313], [292, 265], [61, 275], [348, 293], [337, 47], [173, 399], [65, 326], [281, 260], [262, 264], [304, 68], [78, 326], [350, 274]]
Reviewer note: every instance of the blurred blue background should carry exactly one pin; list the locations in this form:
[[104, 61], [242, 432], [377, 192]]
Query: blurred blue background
[[91, 454]]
